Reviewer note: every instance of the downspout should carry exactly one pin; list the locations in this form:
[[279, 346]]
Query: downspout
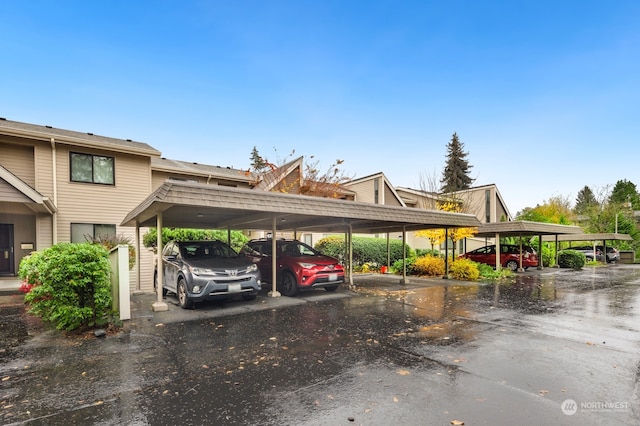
[[54, 169]]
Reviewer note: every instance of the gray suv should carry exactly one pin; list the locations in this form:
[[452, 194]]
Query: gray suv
[[206, 270]]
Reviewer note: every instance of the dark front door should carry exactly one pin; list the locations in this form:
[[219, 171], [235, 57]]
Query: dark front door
[[6, 249]]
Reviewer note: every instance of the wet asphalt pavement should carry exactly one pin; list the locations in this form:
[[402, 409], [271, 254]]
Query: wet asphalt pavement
[[552, 347]]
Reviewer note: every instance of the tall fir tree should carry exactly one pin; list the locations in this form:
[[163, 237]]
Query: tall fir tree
[[585, 201], [455, 176]]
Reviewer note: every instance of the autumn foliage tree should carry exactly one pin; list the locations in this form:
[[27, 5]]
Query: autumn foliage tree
[[305, 178], [556, 209]]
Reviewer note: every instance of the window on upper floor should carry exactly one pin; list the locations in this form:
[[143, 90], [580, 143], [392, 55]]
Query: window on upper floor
[[83, 232], [487, 205], [92, 168]]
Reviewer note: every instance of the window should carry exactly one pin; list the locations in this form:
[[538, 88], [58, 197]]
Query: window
[[92, 168], [487, 205], [82, 232], [376, 191]]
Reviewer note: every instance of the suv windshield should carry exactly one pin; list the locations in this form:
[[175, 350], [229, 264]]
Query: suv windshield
[[206, 249], [297, 249]]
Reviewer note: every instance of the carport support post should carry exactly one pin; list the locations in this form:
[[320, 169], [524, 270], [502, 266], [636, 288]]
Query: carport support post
[[388, 251], [274, 278], [138, 291], [540, 263], [498, 264], [159, 305], [350, 250], [404, 255], [520, 268], [556, 265], [446, 254]]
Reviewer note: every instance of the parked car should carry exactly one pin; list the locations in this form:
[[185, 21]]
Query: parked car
[[509, 256], [613, 255], [299, 266], [206, 270]]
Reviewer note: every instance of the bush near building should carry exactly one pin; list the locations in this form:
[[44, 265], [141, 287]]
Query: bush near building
[[464, 269], [571, 259], [370, 251], [71, 285]]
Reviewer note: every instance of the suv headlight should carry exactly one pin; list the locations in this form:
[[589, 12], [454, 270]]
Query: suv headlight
[[253, 267], [306, 265], [202, 271]]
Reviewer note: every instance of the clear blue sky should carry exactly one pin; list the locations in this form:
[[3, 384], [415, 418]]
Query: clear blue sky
[[543, 94]]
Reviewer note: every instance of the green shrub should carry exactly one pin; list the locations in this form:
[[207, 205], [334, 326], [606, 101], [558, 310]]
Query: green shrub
[[488, 272], [150, 238], [429, 266], [426, 252], [396, 267], [464, 269], [365, 250], [571, 259], [72, 286]]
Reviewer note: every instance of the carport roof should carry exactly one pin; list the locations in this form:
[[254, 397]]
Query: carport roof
[[194, 205], [591, 237], [524, 227]]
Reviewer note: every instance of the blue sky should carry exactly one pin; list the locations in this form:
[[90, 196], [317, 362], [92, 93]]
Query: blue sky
[[543, 94]]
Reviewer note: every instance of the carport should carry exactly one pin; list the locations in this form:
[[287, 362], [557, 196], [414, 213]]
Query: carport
[[524, 228], [193, 205], [604, 237]]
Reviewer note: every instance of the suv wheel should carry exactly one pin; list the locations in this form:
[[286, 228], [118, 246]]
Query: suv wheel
[[183, 299], [289, 284]]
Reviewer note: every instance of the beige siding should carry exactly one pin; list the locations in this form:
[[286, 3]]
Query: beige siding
[[9, 194], [159, 178], [365, 191], [94, 203], [146, 266], [389, 197], [101, 204], [44, 231], [18, 159], [44, 170]]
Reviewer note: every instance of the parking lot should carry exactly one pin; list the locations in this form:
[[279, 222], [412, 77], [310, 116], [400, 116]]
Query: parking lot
[[550, 347]]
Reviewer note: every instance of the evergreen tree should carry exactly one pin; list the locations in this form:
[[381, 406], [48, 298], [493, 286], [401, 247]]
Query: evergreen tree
[[258, 164], [585, 201], [455, 176]]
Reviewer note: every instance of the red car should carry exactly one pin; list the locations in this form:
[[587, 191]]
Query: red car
[[299, 266], [509, 256]]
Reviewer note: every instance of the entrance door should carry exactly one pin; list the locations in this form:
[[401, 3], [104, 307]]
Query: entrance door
[[6, 249]]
